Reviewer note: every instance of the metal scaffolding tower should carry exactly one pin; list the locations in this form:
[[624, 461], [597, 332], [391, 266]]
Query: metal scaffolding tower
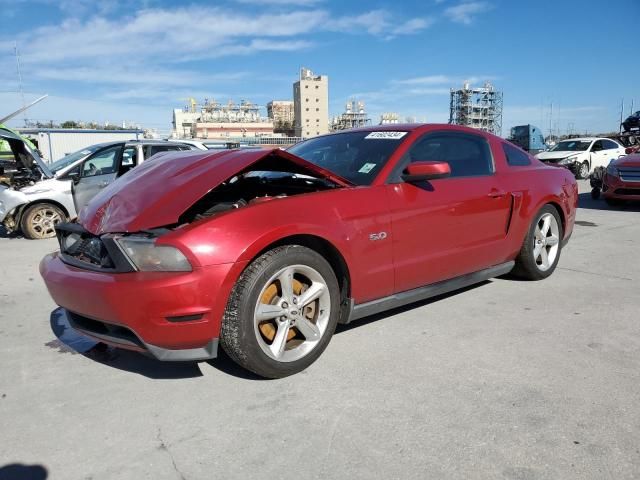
[[354, 116], [479, 108]]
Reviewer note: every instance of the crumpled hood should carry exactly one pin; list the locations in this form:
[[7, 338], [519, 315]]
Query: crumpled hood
[[14, 139], [628, 161], [555, 155], [157, 192]]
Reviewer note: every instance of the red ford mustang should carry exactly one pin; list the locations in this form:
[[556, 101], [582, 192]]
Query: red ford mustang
[[264, 252]]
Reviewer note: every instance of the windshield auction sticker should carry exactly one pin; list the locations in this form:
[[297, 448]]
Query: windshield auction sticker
[[386, 135]]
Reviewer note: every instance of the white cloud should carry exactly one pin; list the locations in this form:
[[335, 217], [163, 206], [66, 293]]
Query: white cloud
[[465, 12], [379, 22]]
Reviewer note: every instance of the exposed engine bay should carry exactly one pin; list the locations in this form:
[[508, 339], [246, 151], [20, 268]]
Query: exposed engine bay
[[22, 171], [264, 181]]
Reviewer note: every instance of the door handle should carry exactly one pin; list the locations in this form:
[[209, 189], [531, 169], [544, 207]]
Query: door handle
[[495, 193]]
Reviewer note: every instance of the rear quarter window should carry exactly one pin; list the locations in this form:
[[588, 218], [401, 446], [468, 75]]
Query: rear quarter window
[[515, 156]]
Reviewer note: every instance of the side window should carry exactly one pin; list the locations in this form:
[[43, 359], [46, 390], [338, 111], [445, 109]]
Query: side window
[[467, 155], [101, 163], [515, 156], [597, 146], [129, 160], [129, 157], [74, 171], [151, 150], [610, 145]]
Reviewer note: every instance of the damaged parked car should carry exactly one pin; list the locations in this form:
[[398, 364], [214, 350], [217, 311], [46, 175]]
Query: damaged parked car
[[36, 197], [264, 252]]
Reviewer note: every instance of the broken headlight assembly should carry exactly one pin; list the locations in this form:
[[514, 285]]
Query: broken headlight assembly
[[146, 256]]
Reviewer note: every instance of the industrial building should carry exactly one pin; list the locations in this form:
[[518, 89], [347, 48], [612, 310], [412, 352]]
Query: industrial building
[[311, 104], [354, 116], [479, 108], [215, 120], [389, 118], [281, 112]]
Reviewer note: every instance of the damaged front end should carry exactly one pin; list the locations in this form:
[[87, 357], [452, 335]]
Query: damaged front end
[[23, 169], [178, 189]]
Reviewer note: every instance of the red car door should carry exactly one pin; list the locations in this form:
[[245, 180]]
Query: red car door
[[447, 227]]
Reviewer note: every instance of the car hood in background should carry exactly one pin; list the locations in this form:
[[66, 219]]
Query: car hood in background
[[554, 155], [159, 191], [11, 136], [628, 161]]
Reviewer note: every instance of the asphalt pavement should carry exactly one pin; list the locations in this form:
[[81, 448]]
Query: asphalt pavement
[[505, 380]]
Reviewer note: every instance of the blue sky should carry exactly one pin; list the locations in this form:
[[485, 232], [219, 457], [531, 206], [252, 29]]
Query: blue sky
[[136, 61]]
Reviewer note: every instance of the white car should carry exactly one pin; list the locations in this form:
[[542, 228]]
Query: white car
[[36, 197], [582, 155]]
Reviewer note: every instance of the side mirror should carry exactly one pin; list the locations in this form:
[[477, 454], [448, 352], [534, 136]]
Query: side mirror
[[74, 177], [421, 171]]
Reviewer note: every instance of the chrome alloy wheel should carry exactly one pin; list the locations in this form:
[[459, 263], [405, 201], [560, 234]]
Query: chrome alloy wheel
[[292, 313], [43, 222], [546, 242], [584, 170]]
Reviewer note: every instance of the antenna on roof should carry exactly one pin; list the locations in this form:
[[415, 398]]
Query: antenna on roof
[[19, 111]]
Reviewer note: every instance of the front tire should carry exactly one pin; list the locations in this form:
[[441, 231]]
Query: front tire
[[39, 221], [540, 251], [282, 312], [583, 170]]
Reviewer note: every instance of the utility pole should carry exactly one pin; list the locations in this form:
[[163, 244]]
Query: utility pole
[[19, 72], [621, 113]]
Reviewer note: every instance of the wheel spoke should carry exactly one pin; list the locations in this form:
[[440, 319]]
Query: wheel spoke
[[267, 312], [286, 284], [311, 294], [536, 251], [280, 340], [307, 328], [546, 223], [544, 257], [552, 240]]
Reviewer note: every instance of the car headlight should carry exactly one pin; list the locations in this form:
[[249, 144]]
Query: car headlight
[[612, 170], [149, 257], [572, 159]]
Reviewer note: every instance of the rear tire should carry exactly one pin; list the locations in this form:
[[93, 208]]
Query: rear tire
[[269, 327], [541, 249], [39, 221]]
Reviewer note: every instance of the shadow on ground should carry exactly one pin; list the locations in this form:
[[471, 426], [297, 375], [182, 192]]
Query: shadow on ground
[[585, 201], [12, 235], [69, 341], [17, 471]]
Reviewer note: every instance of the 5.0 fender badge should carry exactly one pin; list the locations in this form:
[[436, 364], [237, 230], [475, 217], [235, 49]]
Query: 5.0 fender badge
[[377, 236]]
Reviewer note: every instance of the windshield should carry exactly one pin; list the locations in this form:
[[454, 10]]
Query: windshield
[[571, 146], [72, 157], [356, 156]]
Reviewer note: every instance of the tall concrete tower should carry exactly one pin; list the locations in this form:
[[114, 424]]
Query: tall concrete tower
[[311, 104]]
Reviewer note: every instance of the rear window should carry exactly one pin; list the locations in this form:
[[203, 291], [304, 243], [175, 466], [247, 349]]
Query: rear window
[[515, 156]]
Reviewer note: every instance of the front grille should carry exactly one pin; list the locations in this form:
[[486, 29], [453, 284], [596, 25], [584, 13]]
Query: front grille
[[107, 331], [629, 174], [83, 249]]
